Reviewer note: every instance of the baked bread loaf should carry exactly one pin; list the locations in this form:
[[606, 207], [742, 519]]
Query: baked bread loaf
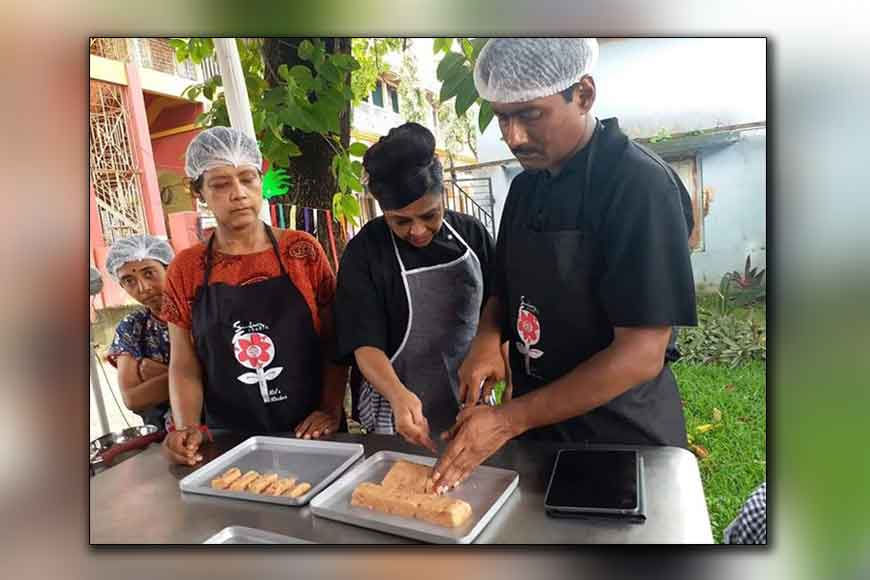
[[409, 476], [279, 487], [298, 490], [225, 479], [441, 510], [262, 482], [244, 481]]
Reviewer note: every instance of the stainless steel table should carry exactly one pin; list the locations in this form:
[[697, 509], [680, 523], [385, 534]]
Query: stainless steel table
[[138, 502]]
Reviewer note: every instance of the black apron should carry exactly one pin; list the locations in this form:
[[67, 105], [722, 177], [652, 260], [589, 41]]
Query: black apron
[[260, 354], [557, 322]]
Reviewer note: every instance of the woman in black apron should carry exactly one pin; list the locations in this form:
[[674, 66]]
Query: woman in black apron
[[252, 358], [410, 289]]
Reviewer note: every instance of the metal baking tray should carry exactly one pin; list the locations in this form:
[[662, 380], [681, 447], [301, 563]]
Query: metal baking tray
[[244, 535], [486, 490], [317, 462]]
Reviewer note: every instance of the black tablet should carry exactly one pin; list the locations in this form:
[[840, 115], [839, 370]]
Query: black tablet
[[595, 482]]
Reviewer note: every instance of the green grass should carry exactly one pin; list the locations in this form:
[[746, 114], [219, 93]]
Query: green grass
[[736, 464]]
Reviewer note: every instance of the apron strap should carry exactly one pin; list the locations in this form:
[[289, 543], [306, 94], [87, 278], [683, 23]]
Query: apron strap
[[275, 248]]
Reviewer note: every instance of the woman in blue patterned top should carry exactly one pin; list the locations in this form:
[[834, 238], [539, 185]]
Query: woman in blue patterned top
[[140, 350]]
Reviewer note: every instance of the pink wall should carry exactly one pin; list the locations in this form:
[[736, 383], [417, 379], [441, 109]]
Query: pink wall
[[141, 138], [178, 115], [169, 151]]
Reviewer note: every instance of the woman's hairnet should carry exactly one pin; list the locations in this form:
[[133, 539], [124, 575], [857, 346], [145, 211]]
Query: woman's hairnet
[[135, 248], [516, 70], [220, 146]]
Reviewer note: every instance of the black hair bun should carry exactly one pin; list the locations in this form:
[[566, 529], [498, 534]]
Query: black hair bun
[[405, 149], [402, 166]]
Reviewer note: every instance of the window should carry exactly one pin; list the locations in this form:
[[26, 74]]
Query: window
[[394, 99], [142, 51], [378, 94], [687, 169]]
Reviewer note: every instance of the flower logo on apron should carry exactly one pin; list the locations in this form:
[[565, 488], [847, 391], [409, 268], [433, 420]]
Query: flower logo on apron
[[529, 330], [255, 351]]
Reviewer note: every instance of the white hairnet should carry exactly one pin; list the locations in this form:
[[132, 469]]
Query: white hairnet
[[220, 146], [135, 248], [516, 70]]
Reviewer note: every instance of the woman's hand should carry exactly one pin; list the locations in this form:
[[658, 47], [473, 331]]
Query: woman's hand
[[182, 446], [316, 425], [150, 368], [409, 420]]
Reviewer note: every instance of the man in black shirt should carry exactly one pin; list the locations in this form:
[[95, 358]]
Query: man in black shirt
[[592, 270]]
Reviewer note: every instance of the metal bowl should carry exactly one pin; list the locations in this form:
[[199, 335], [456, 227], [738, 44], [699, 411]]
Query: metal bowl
[[102, 444]]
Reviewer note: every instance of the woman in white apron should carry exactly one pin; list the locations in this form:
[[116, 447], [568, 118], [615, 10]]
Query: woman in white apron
[[410, 289]]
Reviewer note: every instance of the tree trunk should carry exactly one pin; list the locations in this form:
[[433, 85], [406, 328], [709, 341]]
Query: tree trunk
[[313, 182]]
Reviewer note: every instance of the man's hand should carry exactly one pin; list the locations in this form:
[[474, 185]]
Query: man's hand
[[409, 420], [479, 432], [316, 425], [183, 446], [481, 369]]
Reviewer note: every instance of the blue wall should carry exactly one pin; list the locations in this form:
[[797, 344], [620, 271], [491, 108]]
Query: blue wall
[[735, 226]]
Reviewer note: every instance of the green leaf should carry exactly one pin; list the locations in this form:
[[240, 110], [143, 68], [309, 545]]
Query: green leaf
[[326, 118], [293, 116], [441, 45], [467, 48], [356, 167], [331, 103], [465, 95], [447, 65], [192, 92], [484, 116], [353, 182], [177, 43], [302, 75], [336, 204], [305, 50], [273, 98], [330, 72], [451, 86], [358, 149], [478, 44], [259, 120], [284, 71], [208, 91], [182, 53], [345, 62], [350, 205]]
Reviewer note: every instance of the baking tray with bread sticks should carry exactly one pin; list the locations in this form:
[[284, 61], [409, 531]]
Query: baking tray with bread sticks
[[485, 491], [274, 470]]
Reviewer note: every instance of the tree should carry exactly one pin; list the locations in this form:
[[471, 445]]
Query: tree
[[300, 94], [455, 71], [457, 132]]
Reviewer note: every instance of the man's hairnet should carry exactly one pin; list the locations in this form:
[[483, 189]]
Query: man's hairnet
[[135, 248], [516, 70], [220, 146]]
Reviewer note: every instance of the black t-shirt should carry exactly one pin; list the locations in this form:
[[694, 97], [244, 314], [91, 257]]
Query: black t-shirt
[[371, 307], [640, 213]]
